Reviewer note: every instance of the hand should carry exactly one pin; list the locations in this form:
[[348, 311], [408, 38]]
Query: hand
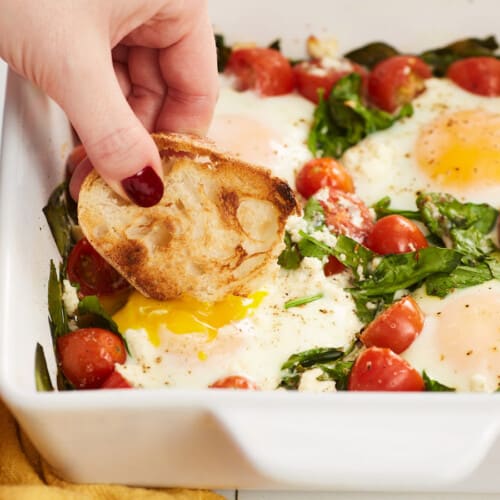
[[119, 69]]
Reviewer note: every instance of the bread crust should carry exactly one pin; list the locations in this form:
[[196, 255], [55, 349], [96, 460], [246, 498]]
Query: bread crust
[[217, 230]]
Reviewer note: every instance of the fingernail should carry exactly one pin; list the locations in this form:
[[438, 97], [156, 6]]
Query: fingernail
[[145, 188]]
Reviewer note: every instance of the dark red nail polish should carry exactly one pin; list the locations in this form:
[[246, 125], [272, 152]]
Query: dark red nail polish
[[145, 188]]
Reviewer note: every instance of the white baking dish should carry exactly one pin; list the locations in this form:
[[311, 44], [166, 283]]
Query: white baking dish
[[349, 441]]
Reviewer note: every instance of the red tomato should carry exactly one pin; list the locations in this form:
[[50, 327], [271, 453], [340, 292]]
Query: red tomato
[[116, 381], [396, 81], [346, 214], [313, 75], [333, 266], [88, 356], [479, 75], [395, 234], [322, 172], [94, 275], [396, 327], [75, 158], [234, 382], [379, 369], [265, 70]]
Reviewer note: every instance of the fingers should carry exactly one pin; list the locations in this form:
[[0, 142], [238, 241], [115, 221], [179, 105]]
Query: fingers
[[116, 142], [189, 68]]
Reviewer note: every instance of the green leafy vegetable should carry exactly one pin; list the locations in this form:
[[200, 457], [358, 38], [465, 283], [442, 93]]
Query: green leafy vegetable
[[314, 213], [342, 120], [302, 300], [58, 317], [100, 318], [290, 257], [275, 45], [493, 262], [223, 52], [434, 385], [57, 214], [42, 377], [382, 209], [441, 58], [371, 54]]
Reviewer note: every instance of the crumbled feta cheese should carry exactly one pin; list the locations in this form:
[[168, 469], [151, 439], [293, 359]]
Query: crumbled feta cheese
[[70, 298], [309, 382], [294, 225]]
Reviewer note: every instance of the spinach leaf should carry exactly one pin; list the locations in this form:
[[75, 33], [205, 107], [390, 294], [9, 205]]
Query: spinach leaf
[[493, 262], [58, 317], [342, 120], [314, 213], [371, 54], [42, 377], [441, 58], [355, 256], [382, 209], [311, 247], [57, 214], [338, 372], [434, 385], [290, 257], [90, 305], [223, 52]]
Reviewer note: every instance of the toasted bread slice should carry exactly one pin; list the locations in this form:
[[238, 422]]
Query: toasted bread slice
[[217, 230]]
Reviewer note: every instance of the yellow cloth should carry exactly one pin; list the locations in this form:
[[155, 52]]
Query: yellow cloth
[[24, 475]]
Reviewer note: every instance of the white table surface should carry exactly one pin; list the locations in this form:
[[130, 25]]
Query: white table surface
[[302, 495]]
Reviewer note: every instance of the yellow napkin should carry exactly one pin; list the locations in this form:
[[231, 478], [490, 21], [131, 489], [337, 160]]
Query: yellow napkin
[[24, 475]]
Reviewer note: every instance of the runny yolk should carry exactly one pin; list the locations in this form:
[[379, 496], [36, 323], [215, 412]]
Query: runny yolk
[[461, 149], [184, 315]]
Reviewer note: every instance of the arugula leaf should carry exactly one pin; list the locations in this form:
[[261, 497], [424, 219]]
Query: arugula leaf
[[42, 377], [58, 317], [57, 214], [342, 120], [434, 385], [290, 257], [442, 284], [371, 54], [441, 58], [382, 209], [223, 52]]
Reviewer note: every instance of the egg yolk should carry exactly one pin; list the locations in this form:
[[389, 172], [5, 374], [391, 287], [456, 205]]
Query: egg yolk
[[184, 314], [461, 150]]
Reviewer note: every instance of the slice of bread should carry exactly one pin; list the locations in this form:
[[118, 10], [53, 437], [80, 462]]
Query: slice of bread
[[217, 230]]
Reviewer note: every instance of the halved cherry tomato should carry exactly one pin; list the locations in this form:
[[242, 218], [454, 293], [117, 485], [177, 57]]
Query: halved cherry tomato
[[94, 275], [116, 381], [317, 74], [88, 356], [396, 327], [395, 234], [75, 158], [479, 75], [234, 382], [396, 81], [380, 369], [322, 172], [333, 266], [346, 214], [265, 70]]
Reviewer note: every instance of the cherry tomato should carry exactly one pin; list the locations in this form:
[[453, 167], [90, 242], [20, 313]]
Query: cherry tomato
[[234, 382], [380, 369], [479, 75], [94, 275], [396, 327], [313, 75], [88, 356], [333, 266], [323, 172], [265, 70], [75, 158], [346, 214], [396, 81], [395, 234], [116, 381]]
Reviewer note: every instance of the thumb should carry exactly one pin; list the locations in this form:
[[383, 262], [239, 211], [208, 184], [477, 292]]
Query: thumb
[[117, 144]]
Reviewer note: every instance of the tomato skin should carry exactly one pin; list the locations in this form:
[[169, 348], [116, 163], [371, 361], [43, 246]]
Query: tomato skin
[[323, 172], [116, 381], [333, 266], [346, 214], [396, 81], [265, 70], [380, 369], [88, 356], [395, 328], [94, 275], [234, 382], [313, 75], [479, 75], [395, 234], [75, 158]]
